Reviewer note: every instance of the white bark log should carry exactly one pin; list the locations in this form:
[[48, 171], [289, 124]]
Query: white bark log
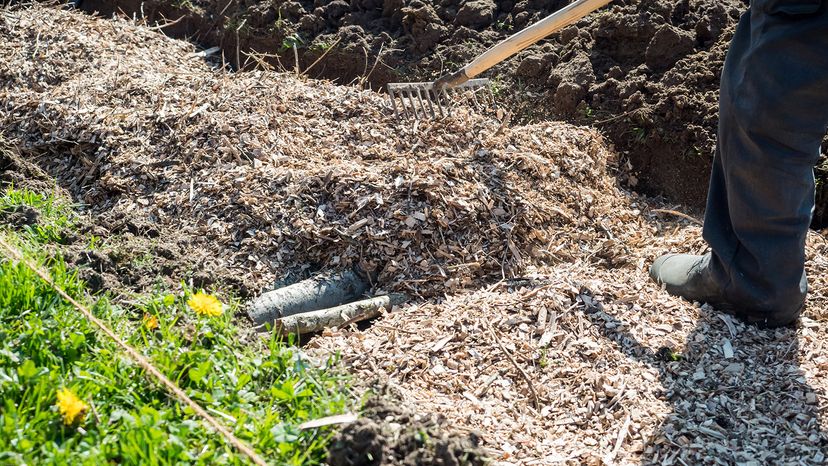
[[315, 293], [316, 321]]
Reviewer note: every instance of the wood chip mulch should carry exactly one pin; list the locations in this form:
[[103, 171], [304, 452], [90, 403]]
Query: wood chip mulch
[[534, 321]]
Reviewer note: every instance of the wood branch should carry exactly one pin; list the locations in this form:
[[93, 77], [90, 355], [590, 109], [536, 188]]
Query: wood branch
[[678, 214], [321, 292], [535, 398], [345, 314]]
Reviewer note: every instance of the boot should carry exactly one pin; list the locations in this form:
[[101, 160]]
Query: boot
[[689, 276]]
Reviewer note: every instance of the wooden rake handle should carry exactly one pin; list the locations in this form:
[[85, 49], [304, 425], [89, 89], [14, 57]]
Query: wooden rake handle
[[519, 41]]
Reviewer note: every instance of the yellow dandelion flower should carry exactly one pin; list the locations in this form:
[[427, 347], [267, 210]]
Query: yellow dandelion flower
[[70, 406], [150, 322], [205, 304]]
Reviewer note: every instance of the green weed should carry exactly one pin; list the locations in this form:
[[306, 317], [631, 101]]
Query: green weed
[[321, 46], [290, 42], [144, 261], [281, 25], [543, 362], [496, 86], [94, 242], [639, 134]]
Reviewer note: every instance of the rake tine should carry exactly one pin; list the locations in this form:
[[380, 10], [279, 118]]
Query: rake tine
[[404, 106], [428, 101], [413, 104], [404, 111], [475, 103], [448, 100], [403, 102], [394, 105], [425, 97], [491, 94], [408, 112], [449, 94], [422, 105], [457, 95], [437, 101], [415, 92]]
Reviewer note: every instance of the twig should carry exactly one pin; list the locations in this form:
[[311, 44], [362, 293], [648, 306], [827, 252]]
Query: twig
[[296, 59], [94, 411], [346, 418], [678, 214], [615, 117], [158, 27], [37, 45], [535, 399], [221, 13], [261, 56], [622, 435], [238, 46], [321, 56], [379, 55], [507, 118], [259, 61], [396, 329], [139, 359], [365, 69]]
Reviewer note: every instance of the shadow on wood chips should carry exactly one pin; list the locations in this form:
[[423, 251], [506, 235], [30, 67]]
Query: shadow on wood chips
[[772, 395]]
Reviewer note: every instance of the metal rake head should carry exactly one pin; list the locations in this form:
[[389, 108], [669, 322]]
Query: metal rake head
[[419, 100]]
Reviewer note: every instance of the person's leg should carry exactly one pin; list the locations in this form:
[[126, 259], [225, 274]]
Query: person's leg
[[773, 116]]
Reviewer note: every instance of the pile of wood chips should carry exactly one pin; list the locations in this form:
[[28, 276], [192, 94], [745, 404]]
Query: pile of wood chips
[[275, 174], [535, 323]]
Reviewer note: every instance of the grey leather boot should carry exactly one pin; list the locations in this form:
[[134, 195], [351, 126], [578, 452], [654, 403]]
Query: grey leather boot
[[692, 277], [689, 277]]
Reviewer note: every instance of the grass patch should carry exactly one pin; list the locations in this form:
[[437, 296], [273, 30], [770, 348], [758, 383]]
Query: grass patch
[[47, 215], [261, 390]]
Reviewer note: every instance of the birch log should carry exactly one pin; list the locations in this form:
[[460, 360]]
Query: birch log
[[315, 293], [357, 311]]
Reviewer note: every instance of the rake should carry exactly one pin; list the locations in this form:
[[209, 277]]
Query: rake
[[420, 99]]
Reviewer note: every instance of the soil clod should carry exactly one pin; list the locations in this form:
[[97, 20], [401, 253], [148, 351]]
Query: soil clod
[[19, 217], [387, 434]]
